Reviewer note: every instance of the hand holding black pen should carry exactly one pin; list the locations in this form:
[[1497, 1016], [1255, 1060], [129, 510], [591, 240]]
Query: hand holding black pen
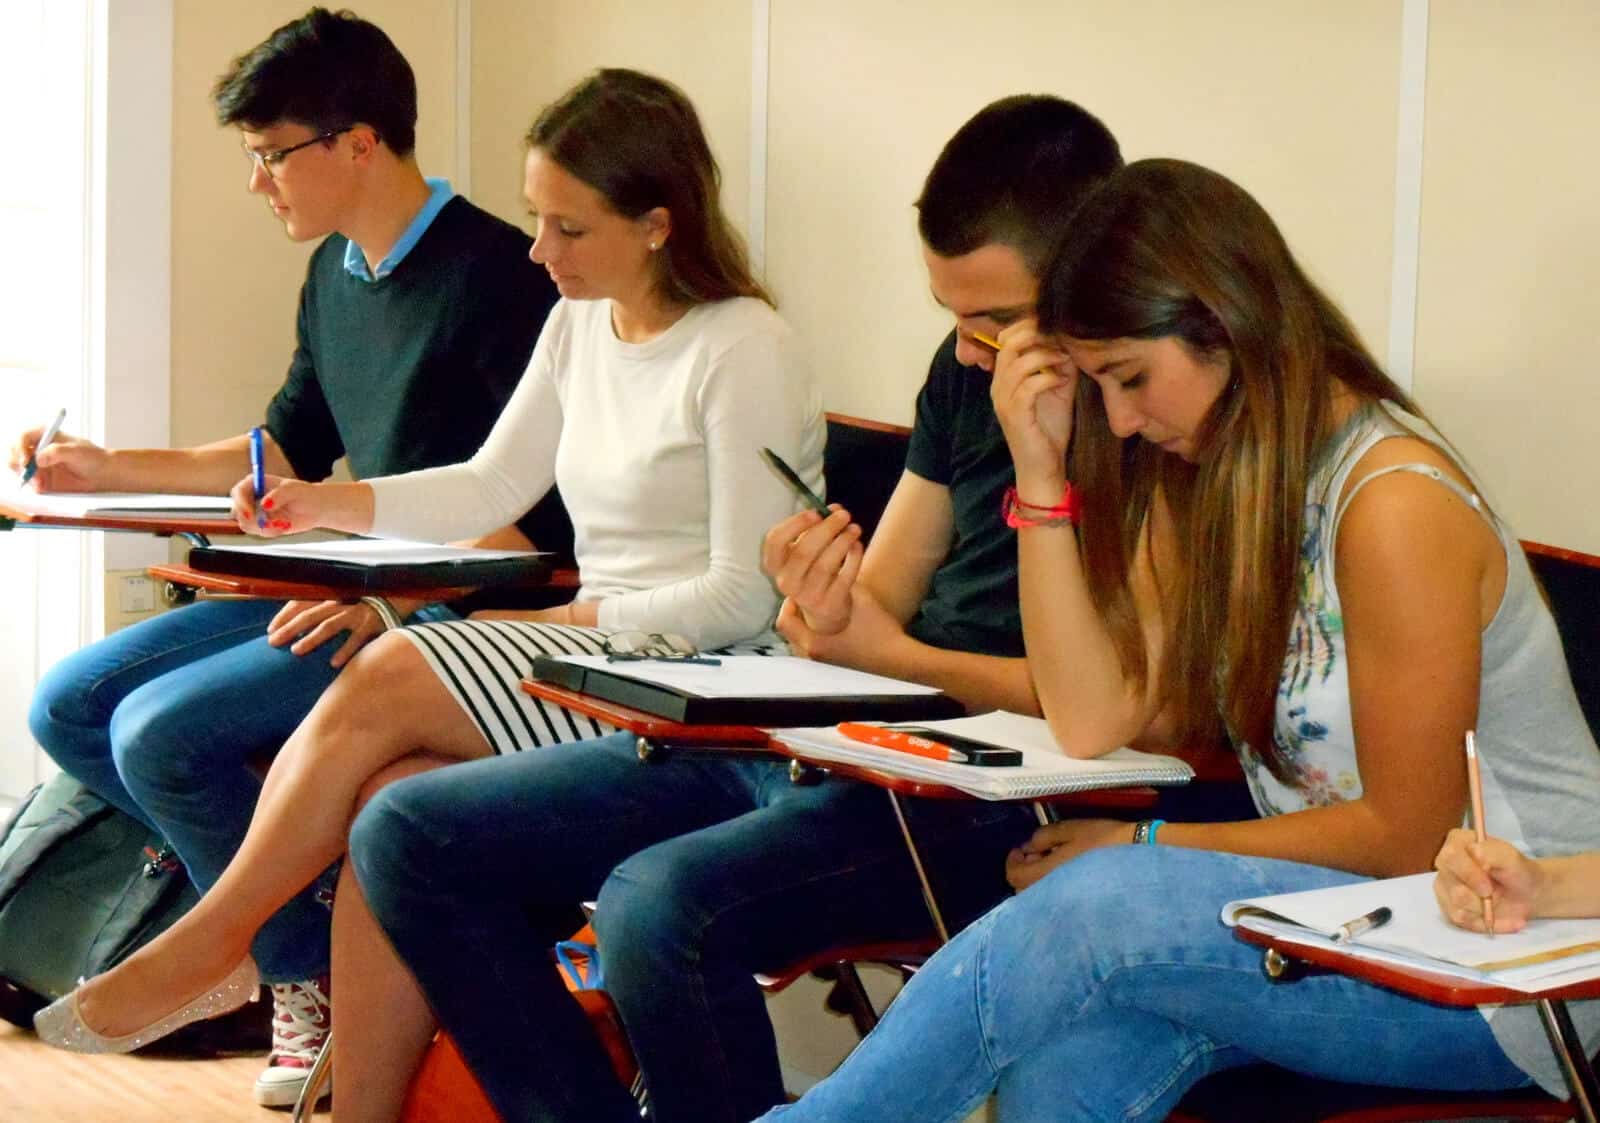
[[813, 557], [814, 561]]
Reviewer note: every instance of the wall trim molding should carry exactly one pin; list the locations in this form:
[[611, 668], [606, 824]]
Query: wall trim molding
[[463, 176], [1405, 265], [130, 259], [760, 76]]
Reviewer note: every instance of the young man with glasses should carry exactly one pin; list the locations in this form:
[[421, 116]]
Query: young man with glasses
[[416, 320]]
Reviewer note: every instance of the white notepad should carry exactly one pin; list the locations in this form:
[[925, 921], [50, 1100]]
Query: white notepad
[[1418, 935], [113, 504], [1044, 771], [375, 553]]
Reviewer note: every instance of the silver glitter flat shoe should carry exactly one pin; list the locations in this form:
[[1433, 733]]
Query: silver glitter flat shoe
[[60, 1023]]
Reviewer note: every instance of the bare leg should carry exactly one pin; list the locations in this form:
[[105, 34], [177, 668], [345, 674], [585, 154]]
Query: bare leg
[[385, 705], [382, 1020]]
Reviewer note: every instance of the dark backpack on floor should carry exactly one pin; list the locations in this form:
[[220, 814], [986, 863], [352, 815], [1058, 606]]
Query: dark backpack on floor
[[82, 886]]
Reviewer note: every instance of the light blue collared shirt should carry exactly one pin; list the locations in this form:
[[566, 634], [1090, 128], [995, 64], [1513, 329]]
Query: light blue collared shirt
[[355, 263]]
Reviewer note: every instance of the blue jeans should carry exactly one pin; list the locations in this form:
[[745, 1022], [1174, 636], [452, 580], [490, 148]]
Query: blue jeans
[[163, 719], [1109, 988], [707, 870]]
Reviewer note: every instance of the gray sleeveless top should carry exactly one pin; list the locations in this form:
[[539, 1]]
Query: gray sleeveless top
[[1540, 765]]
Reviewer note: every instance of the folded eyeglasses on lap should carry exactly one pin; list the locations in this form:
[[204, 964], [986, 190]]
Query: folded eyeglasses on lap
[[665, 647]]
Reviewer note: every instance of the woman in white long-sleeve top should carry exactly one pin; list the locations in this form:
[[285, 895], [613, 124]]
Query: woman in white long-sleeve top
[[657, 378]]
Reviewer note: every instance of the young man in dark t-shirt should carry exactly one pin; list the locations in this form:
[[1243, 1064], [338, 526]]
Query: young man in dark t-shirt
[[708, 870], [416, 320]]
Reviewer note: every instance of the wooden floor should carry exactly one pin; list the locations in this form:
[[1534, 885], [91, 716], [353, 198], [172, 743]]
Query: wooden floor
[[43, 1085]]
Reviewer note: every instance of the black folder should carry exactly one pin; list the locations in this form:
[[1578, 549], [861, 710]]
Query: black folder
[[363, 579], [614, 684]]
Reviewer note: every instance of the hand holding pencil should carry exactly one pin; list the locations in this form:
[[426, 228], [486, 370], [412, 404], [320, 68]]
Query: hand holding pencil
[[1469, 871]]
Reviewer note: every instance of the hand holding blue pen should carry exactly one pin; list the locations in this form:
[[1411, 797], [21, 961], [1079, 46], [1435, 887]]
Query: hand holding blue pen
[[49, 435], [258, 472]]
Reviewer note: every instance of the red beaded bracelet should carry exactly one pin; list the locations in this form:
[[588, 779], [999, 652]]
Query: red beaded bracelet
[[1019, 514]]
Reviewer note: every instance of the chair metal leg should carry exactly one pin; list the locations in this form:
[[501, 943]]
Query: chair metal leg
[[315, 1079], [922, 873], [1574, 1061], [857, 1002]]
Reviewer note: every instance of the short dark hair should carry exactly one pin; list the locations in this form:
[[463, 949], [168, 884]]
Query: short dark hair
[[327, 70], [637, 140], [1014, 174]]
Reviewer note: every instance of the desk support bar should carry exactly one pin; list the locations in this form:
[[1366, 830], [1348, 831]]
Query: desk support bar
[[922, 873], [386, 613], [385, 610], [1573, 1058]]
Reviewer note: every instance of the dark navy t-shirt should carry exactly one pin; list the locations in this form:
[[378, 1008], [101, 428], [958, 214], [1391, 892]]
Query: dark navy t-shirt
[[972, 602]]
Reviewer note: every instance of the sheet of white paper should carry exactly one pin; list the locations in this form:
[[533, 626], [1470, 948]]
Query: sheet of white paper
[[110, 502], [1417, 927], [376, 552], [755, 676], [1530, 979]]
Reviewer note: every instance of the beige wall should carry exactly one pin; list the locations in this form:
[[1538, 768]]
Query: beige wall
[[526, 54], [1296, 100], [1509, 293]]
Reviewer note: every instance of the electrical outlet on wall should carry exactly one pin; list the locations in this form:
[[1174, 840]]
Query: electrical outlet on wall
[[131, 596]]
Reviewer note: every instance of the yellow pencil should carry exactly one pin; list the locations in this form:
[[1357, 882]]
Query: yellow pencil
[[979, 337], [1475, 790]]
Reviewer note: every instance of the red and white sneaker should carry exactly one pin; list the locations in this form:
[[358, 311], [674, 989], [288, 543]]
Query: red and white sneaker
[[301, 1016]]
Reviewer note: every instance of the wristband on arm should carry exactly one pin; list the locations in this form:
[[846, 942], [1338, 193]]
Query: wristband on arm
[[1020, 515]]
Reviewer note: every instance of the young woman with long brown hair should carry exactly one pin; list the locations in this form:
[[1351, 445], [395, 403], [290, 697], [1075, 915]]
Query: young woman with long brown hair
[[660, 374], [1261, 535]]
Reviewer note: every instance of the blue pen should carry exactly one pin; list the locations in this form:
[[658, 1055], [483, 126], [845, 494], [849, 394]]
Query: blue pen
[[258, 472], [49, 435]]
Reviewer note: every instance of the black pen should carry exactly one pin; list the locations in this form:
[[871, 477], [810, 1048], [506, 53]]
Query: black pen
[[1361, 925], [793, 479]]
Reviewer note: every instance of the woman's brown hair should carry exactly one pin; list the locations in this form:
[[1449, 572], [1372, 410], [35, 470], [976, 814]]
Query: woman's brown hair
[[1170, 249], [637, 140]]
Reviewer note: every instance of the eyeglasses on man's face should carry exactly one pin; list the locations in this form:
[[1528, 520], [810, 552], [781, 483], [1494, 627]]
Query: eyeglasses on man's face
[[624, 647], [268, 161]]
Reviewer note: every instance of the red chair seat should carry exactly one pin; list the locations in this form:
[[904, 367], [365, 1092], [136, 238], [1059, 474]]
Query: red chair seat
[[445, 1091]]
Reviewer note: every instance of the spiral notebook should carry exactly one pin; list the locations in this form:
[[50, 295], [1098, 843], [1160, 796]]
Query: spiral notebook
[[1044, 771]]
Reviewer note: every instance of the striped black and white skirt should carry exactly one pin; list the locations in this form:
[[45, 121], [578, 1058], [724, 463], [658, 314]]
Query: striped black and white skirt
[[483, 662]]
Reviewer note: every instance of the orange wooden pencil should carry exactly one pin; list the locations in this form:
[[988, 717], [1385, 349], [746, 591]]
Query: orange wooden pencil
[[1475, 790]]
